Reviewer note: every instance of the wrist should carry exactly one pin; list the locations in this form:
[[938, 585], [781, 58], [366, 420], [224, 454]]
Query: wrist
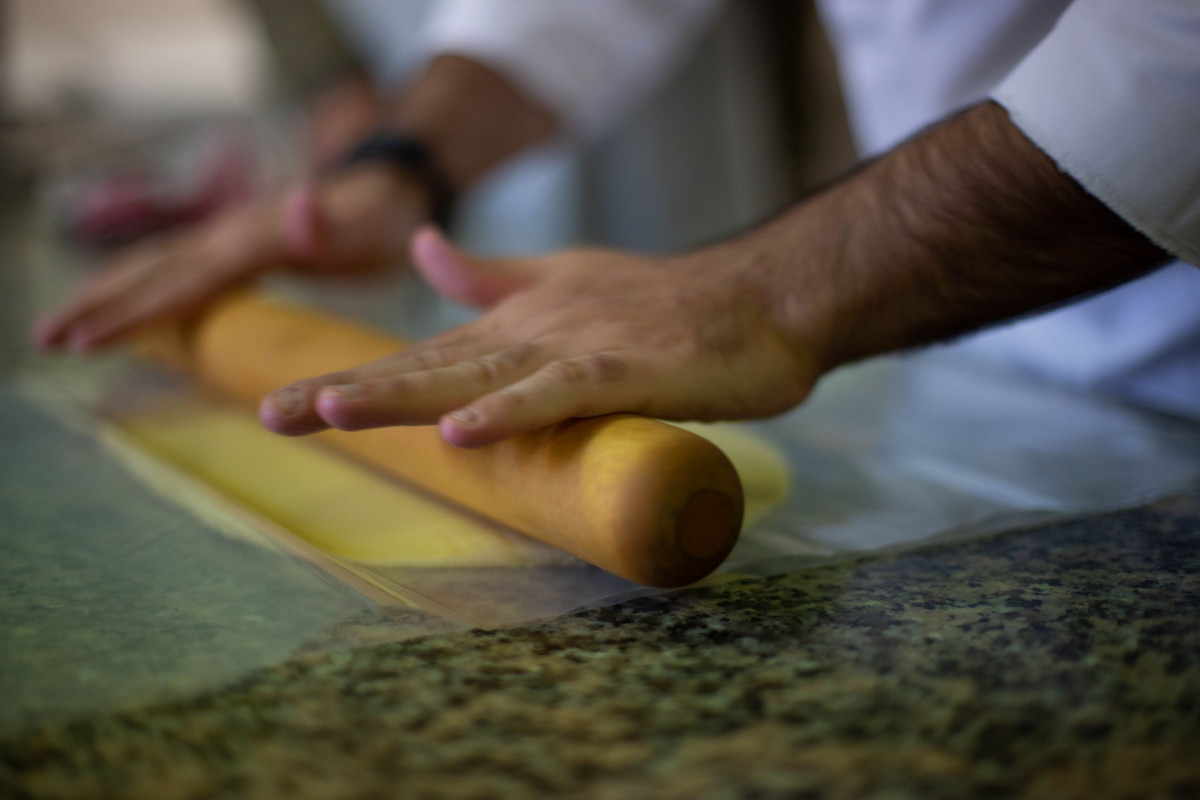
[[965, 225], [373, 211], [402, 195], [787, 265], [778, 296], [411, 161]]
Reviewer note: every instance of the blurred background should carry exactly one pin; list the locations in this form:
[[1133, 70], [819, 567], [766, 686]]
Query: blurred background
[[206, 100], [751, 120], [124, 117], [170, 109]]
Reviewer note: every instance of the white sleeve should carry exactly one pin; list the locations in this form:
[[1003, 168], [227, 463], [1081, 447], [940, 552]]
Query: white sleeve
[[588, 60], [1112, 94]]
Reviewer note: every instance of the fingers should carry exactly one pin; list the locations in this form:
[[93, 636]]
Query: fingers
[[421, 397], [94, 322], [160, 279], [476, 400], [91, 325], [292, 410], [347, 226], [585, 386], [463, 278], [56, 328]]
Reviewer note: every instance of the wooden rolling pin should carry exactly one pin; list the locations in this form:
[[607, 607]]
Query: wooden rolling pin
[[639, 498]]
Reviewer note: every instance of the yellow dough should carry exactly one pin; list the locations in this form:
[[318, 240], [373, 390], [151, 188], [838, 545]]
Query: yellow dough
[[352, 512], [343, 508], [761, 466]]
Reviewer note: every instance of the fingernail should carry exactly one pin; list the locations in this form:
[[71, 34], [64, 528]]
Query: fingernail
[[349, 391], [289, 400], [466, 417]]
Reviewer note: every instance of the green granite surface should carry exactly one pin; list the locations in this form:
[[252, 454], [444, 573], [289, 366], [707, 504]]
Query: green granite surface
[[1060, 662]]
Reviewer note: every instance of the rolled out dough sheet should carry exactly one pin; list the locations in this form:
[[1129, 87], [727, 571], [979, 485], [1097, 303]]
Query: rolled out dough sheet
[[352, 512], [341, 507]]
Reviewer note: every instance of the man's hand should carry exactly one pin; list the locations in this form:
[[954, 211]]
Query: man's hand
[[471, 117], [358, 223], [578, 334], [963, 226]]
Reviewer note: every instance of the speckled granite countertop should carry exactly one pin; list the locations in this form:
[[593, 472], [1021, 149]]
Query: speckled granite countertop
[[1059, 662]]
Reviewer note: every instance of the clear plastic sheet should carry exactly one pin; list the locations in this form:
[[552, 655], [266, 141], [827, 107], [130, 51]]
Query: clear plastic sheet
[[124, 582], [888, 456], [112, 595], [904, 450]]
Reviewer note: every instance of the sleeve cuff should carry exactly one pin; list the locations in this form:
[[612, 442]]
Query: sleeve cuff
[[587, 61], [1111, 95]]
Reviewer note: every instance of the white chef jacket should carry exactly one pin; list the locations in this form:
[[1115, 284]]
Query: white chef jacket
[[1110, 89]]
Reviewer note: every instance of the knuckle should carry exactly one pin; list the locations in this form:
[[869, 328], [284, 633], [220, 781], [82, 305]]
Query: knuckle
[[569, 371], [493, 369], [607, 367], [511, 397], [429, 358], [393, 384], [481, 370], [414, 382], [500, 405], [595, 368], [517, 354]]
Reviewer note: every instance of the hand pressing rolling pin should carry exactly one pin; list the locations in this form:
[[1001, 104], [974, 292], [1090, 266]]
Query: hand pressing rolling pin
[[358, 220], [967, 224], [963, 226]]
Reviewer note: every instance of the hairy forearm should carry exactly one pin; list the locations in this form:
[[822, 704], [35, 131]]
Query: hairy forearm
[[472, 118], [960, 227], [965, 225]]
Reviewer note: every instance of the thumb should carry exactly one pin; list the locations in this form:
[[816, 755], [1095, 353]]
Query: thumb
[[307, 229], [464, 278]]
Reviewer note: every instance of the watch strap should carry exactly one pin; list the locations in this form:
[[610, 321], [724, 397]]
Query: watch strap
[[413, 157]]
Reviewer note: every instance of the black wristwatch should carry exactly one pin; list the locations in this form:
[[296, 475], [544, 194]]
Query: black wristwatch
[[411, 156]]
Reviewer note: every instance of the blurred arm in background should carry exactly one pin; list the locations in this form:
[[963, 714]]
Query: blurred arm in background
[[963, 226], [316, 68], [499, 79], [1079, 174]]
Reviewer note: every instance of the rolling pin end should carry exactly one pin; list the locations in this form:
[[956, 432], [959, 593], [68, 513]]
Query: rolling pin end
[[707, 525], [705, 531]]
